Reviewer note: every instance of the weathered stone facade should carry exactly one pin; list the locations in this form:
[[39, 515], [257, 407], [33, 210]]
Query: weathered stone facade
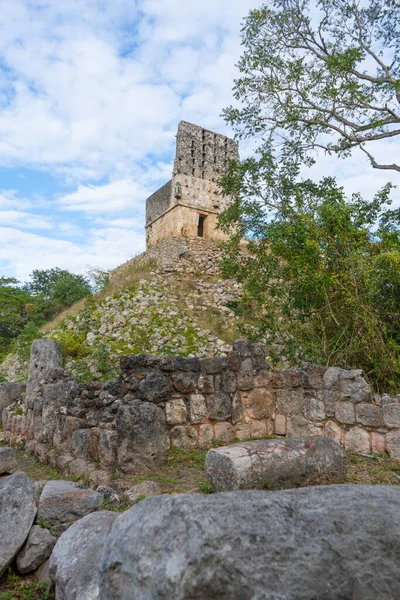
[[127, 425], [189, 203]]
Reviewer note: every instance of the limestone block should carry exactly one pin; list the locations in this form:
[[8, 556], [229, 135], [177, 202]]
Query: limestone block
[[223, 431], [315, 409], [80, 443], [108, 448], [280, 424], [290, 402], [205, 383], [183, 436], [260, 403], [299, 426], [141, 436], [242, 348], [332, 378], [393, 444], [228, 381], [185, 382], [357, 440], [353, 386], [219, 406], [197, 408], [263, 379], [258, 429], [276, 464], [69, 426], [242, 432], [154, 388], [369, 415], [329, 397], [277, 379], [237, 408], [334, 431], [206, 435], [313, 377], [45, 359], [211, 365], [294, 378], [246, 366], [391, 415], [378, 443], [345, 413], [245, 381], [175, 411]]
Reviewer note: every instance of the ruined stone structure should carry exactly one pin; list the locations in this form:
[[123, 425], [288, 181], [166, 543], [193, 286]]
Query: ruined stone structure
[[189, 203], [127, 425]]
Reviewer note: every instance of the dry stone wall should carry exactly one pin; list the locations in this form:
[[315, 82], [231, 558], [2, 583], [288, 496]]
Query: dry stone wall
[[127, 425]]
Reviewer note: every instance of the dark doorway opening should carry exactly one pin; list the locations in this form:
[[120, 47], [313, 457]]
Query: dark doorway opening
[[200, 227]]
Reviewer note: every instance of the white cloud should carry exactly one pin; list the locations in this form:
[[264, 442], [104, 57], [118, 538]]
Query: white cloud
[[16, 218], [21, 251], [123, 195]]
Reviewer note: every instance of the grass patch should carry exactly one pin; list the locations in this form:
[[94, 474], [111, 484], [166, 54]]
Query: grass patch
[[379, 470], [14, 587]]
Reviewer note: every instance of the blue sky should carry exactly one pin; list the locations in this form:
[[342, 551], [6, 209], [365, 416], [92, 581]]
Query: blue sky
[[91, 93]]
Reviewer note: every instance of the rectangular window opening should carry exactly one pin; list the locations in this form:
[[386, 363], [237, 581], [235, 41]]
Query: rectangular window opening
[[200, 227]]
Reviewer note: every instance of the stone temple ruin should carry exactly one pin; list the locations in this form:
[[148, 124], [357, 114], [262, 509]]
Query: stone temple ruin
[[189, 203]]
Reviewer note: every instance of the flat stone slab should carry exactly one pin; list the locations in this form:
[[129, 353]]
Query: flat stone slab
[[332, 542], [276, 464], [66, 501], [8, 462], [18, 499]]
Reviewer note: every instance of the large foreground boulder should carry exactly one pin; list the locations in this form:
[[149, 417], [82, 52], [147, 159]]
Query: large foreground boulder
[[276, 464], [73, 563], [338, 542], [66, 501], [17, 512]]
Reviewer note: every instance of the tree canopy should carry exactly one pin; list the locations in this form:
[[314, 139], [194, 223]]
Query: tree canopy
[[56, 289], [24, 308], [15, 310], [321, 270], [321, 74]]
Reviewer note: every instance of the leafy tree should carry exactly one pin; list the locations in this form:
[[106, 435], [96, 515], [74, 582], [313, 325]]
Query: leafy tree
[[100, 278], [322, 74], [321, 268], [56, 289], [15, 310]]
